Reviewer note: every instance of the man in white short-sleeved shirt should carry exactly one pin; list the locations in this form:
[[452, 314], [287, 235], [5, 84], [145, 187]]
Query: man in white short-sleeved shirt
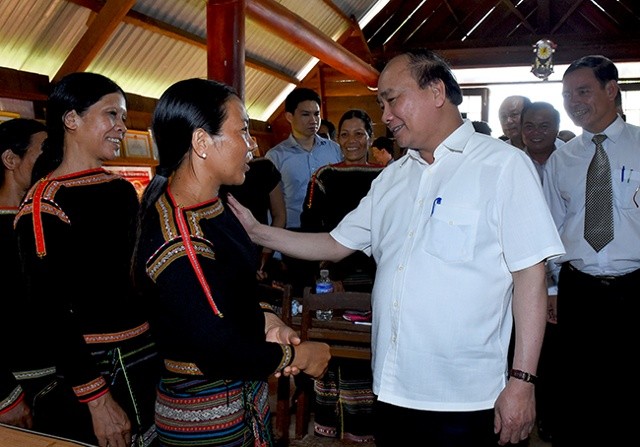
[[460, 232]]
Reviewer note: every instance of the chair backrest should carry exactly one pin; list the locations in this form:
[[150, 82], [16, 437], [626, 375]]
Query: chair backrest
[[279, 297], [346, 338]]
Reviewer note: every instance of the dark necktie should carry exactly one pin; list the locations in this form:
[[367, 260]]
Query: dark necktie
[[598, 213]]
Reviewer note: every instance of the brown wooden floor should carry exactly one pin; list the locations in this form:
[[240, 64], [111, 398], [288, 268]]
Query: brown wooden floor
[[18, 437]]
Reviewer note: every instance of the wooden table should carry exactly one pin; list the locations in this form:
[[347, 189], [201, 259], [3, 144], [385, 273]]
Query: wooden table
[[19, 437]]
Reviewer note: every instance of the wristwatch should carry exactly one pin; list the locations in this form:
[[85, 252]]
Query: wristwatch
[[522, 375]]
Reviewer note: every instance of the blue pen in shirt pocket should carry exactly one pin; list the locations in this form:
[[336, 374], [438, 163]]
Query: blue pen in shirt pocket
[[626, 191], [450, 234], [437, 201]]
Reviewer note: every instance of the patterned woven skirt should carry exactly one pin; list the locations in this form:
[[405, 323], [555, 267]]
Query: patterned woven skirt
[[220, 413], [132, 371], [344, 401]]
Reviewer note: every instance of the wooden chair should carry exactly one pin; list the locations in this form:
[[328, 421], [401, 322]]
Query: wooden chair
[[346, 339], [280, 299]]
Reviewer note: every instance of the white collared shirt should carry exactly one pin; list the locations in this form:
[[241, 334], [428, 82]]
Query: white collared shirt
[[446, 237], [564, 188]]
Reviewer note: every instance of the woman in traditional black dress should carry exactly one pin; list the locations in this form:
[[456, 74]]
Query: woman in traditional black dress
[[344, 396], [196, 267], [262, 193], [25, 371], [76, 231]]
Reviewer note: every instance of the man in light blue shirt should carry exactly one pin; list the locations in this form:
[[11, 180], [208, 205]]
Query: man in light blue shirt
[[300, 155], [598, 285], [297, 158]]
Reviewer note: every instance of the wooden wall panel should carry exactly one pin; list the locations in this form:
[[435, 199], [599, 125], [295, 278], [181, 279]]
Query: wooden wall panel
[[336, 106]]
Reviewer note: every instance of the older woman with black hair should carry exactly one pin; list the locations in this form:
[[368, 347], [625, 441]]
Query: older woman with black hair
[[76, 230], [344, 397]]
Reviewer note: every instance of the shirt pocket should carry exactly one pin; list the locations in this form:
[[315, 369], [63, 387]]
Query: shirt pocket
[[451, 233], [627, 191]]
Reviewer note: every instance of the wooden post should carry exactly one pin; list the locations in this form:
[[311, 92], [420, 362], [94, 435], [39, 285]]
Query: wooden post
[[226, 43]]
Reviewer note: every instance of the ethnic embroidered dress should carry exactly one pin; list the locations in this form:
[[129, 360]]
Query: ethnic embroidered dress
[[76, 236], [26, 370], [335, 190], [344, 398], [196, 267]]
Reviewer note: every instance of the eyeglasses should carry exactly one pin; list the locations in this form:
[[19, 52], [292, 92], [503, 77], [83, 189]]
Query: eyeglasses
[[513, 116]]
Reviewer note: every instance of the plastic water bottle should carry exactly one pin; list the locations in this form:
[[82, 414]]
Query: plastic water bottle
[[324, 285], [296, 308]]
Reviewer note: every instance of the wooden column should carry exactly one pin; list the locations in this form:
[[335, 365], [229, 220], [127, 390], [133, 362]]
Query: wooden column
[[226, 43]]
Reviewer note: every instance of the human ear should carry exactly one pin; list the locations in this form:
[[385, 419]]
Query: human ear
[[70, 119], [9, 159], [199, 142], [612, 88], [288, 116], [439, 92]]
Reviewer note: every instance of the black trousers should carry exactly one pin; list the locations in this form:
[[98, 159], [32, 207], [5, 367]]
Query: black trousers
[[547, 386], [395, 424], [598, 339]]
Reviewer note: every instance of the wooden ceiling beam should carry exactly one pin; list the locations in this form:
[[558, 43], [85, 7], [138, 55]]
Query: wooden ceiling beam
[[23, 85], [627, 50], [396, 15], [346, 89], [434, 12], [519, 15], [156, 26], [98, 33], [307, 37], [472, 18], [566, 15], [601, 22], [374, 28], [354, 41], [544, 16]]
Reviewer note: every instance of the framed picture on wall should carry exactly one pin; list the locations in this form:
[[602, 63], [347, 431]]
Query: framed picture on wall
[[139, 176], [6, 116], [137, 144]]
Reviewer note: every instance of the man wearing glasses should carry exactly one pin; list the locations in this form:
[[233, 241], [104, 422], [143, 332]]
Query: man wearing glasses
[[510, 113]]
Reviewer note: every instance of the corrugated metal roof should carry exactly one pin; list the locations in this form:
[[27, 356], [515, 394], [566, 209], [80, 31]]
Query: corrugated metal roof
[[38, 35], [161, 41]]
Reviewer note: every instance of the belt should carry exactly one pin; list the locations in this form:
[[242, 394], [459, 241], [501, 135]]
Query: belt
[[606, 280], [117, 337], [34, 373], [187, 368]]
